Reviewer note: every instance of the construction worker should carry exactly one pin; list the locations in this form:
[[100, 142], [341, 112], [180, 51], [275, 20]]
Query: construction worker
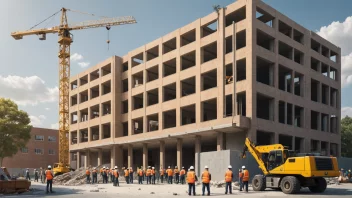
[[162, 171], [87, 176], [49, 180], [228, 179], [191, 180], [240, 178], [149, 175], [36, 175], [131, 175], [349, 174], [140, 176], [127, 176], [104, 176], [206, 177], [27, 174], [94, 175], [112, 176], [107, 170], [245, 177], [101, 172], [182, 175], [169, 174], [116, 176], [177, 175]]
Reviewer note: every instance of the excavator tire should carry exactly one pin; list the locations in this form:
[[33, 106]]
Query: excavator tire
[[258, 183], [290, 185], [320, 187]]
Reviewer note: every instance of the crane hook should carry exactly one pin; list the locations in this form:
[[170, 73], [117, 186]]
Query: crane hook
[[108, 41]]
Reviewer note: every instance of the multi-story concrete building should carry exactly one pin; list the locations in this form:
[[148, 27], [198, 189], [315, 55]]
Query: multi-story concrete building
[[41, 150], [244, 71]]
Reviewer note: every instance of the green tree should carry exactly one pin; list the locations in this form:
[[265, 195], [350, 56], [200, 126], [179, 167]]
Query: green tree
[[14, 129], [346, 137]]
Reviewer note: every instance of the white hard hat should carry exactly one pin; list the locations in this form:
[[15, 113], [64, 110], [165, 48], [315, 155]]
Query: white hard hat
[[175, 166], [94, 168], [243, 167], [191, 167], [103, 166], [205, 166], [153, 167], [49, 166], [168, 166], [115, 167], [107, 167], [229, 166]]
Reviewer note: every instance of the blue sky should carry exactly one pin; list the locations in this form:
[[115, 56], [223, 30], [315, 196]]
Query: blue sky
[[29, 69]]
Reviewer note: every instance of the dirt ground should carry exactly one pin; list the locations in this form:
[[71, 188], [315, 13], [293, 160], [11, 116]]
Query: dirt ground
[[166, 190]]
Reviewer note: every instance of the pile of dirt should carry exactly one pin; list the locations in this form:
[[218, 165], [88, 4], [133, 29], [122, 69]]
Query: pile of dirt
[[77, 177]]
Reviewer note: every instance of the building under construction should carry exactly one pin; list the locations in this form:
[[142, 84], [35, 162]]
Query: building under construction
[[242, 71]]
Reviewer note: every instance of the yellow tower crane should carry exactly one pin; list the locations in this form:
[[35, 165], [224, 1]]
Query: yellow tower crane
[[65, 40]]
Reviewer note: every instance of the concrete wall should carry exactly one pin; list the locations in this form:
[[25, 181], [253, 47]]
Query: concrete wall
[[345, 163], [217, 161]]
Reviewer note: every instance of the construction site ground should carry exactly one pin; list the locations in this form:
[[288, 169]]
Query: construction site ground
[[165, 190]]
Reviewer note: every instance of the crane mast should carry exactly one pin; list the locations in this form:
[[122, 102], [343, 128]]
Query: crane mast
[[65, 40]]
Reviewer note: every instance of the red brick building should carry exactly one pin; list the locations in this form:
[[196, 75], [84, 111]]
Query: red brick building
[[41, 151]]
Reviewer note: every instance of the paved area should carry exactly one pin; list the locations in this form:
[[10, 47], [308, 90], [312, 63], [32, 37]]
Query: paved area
[[165, 190]]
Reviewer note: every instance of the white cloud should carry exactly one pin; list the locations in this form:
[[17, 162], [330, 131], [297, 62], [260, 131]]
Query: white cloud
[[76, 57], [84, 64], [27, 90], [37, 121], [340, 33], [55, 126], [47, 109], [346, 111]]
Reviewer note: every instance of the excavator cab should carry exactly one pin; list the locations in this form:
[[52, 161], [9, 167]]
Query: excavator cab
[[275, 159]]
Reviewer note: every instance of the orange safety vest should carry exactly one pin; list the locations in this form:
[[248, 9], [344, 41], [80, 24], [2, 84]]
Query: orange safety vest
[[101, 170], [169, 172], [87, 172], [182, 172], [153, 172], [140, 173], [148, 172], [228, 176], [116, 173], [191, 177], [49, 175], [206, 177], [161, 171], [176, 171], [245, 175], [240, 175], [126, 173]]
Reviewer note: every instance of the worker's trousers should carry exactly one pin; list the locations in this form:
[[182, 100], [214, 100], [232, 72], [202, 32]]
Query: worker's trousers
[[140, 179], [190, 188], [169, 181], [153, 179], [228, 187], [245, 185], [28, 177], [205, 185], [105, 179], [241, 184], [162, 178], [88, 179], [149, 179], [36, 178], [127, 179], [94, 179], [182, 178], [116, 181], [49, 185], [131, 178], [177, 175], [112, 177]]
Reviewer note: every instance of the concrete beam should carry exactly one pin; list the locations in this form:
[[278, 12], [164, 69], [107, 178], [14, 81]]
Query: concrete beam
[[179, 152]]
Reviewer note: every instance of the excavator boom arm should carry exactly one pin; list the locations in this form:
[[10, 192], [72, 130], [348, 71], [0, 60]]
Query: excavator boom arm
[[256, 154]]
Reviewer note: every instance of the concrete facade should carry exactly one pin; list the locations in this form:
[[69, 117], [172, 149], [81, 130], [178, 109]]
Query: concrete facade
[[168, 101], [41, 150]]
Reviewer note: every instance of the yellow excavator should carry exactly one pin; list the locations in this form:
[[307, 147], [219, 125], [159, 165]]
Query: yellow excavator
[[285, 170]]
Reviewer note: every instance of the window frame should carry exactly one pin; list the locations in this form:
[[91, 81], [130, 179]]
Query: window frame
[[51, 140], [36, 149], [35, 138], [53, 153]]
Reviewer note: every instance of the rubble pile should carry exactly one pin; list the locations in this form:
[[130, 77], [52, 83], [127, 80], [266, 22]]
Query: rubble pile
[[75, 178]]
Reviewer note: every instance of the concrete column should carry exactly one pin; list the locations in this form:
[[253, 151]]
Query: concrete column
[[100, 132], [100, 157], [319, 92], [271, 75], [145, 155], [87, 159], [307, 145], [328, 149], [113, 156], [293, 143], [276, 138], [220, 141], [162, 154], [89, 134], [130, 155], [319, 121], [179, 152], [118, 156], [234, 69], [271, 109], [78, 159], [198, 149], [220, 62], [78, 136], [319, 146]]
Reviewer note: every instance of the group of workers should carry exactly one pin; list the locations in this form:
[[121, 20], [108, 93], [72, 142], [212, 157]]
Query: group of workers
[[38, 174], [180, 177]]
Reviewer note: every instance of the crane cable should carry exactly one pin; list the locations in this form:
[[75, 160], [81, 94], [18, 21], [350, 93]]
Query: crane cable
[[45, 19]]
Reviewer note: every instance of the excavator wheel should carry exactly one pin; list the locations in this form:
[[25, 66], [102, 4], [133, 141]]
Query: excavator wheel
[[259, 183], [320, 185], [290, 185]]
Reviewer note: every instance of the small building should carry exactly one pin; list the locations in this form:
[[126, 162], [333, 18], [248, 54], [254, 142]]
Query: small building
[[41, 150]]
